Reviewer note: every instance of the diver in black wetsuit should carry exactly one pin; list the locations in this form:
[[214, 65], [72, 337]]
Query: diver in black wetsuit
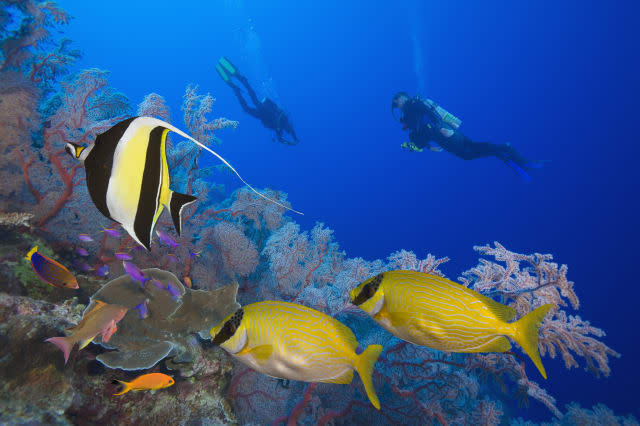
[[267, 111], [426, 125]]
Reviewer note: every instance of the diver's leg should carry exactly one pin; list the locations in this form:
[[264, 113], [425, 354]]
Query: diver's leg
[[243, 102], [250, 91], [471, 150], [504, 152]]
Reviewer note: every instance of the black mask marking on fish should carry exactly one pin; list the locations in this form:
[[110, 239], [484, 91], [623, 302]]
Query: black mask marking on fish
[[229, 328], [368, 290]]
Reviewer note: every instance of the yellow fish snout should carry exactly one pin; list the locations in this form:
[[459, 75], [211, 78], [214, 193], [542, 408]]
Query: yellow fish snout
[[352, 294]]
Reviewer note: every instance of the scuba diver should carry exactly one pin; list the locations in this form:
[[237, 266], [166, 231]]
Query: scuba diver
[[428, 122], [267, 111]]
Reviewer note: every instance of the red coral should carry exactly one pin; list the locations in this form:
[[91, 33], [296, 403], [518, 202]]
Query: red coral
[[85, 100], [239, 253]]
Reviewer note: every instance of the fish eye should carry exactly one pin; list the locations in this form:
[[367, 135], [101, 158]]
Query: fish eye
[[370, 291]]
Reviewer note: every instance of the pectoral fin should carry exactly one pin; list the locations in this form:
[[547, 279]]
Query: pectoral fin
[[399, 319], [261, 353]]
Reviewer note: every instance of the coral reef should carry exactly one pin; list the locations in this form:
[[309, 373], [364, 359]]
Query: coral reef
[[38, 389], [539, 282], [13, 220], [241, 237], [414, 382], [172, 322]]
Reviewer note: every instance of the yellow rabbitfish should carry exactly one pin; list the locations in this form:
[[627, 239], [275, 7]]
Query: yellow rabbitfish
[[291, 341], [432, 311]]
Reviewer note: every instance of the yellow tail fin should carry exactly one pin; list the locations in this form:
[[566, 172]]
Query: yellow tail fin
[[526, 334], [364, 366], [33, 250], [126, 388]]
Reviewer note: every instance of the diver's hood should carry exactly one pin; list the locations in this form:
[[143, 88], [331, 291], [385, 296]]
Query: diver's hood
[[398, 113]]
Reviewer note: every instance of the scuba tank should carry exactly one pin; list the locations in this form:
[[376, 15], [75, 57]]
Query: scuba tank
[[447, 118]]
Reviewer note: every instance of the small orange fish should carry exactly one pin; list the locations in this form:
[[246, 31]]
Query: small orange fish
[[150, 381], [187, 281], [50, 271]]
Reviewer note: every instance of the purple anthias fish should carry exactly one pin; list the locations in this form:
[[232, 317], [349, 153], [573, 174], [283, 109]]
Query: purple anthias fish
[[112, 232], [83, 267], [82, 252], [123, 256], [167, 239], [134, 272], [173, 291], [102, 271], [142, 309], [85, 237]]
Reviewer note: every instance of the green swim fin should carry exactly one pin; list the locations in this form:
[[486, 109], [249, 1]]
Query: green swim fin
[[223, 74], [227, 65]]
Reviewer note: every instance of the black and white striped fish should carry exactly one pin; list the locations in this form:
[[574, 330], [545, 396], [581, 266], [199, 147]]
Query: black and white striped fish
[[128, 175]]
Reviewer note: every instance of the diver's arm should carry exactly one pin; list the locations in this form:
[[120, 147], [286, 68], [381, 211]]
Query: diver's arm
[[447, 133], [283, 140], [420, 139]]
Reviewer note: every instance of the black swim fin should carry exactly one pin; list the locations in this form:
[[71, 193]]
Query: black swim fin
[[176, 203]]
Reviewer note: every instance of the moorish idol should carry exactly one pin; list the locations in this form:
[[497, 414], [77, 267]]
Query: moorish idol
[[128, 175]]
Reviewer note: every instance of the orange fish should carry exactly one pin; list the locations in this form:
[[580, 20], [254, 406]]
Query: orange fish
[[150, 381], [50, 271], [101, 319]]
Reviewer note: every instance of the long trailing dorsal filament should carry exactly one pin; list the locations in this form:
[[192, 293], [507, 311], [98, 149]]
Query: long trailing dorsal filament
[[155, 121]]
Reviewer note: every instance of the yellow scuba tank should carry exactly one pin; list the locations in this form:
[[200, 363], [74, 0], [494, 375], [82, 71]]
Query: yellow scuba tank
[[445, 115]]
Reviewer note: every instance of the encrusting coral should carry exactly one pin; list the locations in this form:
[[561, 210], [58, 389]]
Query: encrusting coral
[[38, 389], [171, 323], [15, 219]]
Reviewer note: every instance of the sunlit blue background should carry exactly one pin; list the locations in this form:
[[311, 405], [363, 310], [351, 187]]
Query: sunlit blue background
[[557, 79]]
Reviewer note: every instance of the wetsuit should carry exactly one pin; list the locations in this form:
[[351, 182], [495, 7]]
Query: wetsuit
[[271, 116], [425, 124]]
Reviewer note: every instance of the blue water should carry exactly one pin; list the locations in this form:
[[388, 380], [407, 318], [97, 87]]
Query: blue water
[[557, 79]]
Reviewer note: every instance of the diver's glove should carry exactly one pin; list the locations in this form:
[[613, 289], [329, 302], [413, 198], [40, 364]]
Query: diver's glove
[[411, 147]]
